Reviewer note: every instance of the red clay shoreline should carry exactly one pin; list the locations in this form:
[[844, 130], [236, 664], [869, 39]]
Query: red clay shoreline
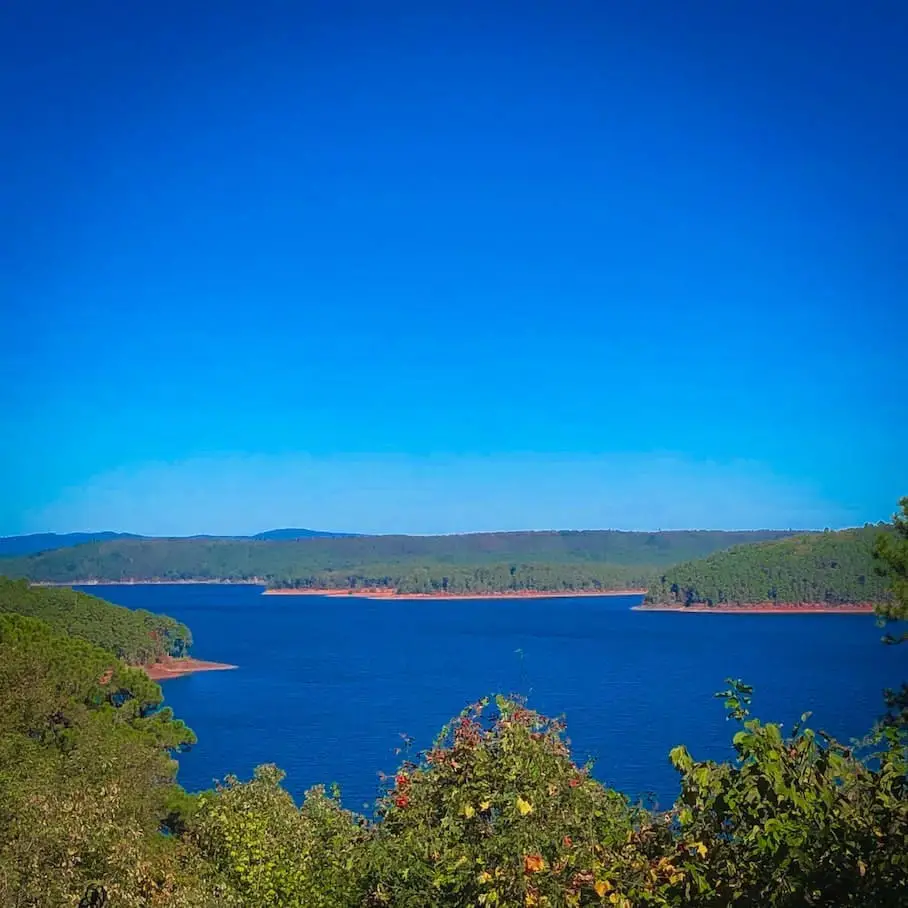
[[176, 668], [765, 608], [378, 593]]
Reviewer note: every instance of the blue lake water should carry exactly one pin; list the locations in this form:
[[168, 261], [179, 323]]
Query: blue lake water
[[326, 686]]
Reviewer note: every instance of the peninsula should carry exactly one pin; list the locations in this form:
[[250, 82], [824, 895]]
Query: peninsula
[[156, 644], [166, 668]]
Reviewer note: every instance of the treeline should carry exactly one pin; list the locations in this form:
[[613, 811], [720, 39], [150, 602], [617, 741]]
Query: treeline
[[492, 578], [831, 567], [136, 636], [288, 562]]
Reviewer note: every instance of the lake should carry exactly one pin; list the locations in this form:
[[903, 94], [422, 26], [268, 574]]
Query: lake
[[326, 686]]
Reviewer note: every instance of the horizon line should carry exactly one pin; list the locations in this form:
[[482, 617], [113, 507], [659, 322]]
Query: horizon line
[[351, 535]]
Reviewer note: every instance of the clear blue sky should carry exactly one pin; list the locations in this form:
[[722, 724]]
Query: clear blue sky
[[435, 267]]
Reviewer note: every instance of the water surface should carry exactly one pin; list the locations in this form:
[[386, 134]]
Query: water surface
[[326, 686]]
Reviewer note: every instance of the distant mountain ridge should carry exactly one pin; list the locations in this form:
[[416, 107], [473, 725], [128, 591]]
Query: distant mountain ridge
[[551, 560], [294, 533], [33, 543], [45, 542]]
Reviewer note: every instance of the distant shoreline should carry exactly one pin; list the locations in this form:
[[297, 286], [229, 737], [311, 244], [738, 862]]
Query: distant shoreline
[[176, 668], [765, 608], [367, 593], [146, 582]]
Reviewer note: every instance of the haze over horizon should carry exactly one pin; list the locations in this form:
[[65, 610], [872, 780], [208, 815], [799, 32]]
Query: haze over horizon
[[434, 267]]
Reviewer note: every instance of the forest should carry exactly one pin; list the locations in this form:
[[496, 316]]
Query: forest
[[136, 636], [488, 578], [830, 567], [569, 560], [496, 813]]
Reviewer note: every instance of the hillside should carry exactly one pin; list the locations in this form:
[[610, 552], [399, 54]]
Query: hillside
[[831, 567], [43, 542], [136, 636], [297, 533], [545, 560]]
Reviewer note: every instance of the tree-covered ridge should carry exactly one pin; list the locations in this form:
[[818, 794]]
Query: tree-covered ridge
[[136, 636], [831, 567], [478, 580], [298, 561]]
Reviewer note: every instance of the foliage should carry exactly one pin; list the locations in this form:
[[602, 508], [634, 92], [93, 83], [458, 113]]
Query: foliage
[[569, 560], [137, 636], [830, 567], [269, 852], [796, 820], [891, 552], [86, 776], [497, 813]]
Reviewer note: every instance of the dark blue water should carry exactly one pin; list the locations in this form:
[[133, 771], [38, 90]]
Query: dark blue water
[[326, 686]]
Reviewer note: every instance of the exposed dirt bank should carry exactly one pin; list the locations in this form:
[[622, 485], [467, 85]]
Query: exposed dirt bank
[[766, 608], [378, 593], [174, 668]]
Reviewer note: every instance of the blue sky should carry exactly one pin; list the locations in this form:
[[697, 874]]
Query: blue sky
[[437, 267]]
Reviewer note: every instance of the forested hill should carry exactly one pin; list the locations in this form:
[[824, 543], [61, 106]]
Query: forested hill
[[45, 542], [832, 567], [549, 560], [42, 542], [136, 636]]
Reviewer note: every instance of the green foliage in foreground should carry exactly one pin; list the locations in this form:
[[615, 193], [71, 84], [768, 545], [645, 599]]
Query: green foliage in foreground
[[136, 636], [360, 561], [498, 814], [891, 552], [831, 567], [86, 775]]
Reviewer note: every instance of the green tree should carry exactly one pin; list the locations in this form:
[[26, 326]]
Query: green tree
[[86, 777], [268, 852], [891, 552]]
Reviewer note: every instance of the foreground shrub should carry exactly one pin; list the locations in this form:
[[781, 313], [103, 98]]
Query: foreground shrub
[[793, 821], [269, 852], [497, 813]]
